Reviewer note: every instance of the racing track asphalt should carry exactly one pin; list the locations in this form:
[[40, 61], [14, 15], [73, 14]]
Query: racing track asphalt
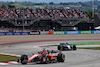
[[78, 58]]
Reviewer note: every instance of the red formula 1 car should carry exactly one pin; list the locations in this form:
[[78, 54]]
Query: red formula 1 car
[[45, 56]]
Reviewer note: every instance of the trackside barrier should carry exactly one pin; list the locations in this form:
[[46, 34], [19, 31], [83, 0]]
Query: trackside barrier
[[66, 32], [44, 32], [75, 32], [25, 33], [59, 32], [34, 33], [52, 32], [2, 33], [72, 32], [41, 32], [86, 32], [14, 33], [96, 32]]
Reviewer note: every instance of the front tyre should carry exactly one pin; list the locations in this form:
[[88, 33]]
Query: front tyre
[[74, 47], [61, 57], [24, 59]]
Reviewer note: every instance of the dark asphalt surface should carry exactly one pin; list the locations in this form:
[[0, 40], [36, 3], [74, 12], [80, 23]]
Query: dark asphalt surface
[[78, 58]]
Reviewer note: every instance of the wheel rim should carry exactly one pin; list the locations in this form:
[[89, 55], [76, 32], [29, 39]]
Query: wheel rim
[[47, 59], [63, 58]]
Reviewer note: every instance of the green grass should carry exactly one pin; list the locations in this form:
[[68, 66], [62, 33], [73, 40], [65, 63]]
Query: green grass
[[87, 43], [7, 58], [94, 48]]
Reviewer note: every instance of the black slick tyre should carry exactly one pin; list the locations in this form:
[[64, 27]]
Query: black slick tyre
[[61, 57], [74, 47], [24, 59], [59, 47]]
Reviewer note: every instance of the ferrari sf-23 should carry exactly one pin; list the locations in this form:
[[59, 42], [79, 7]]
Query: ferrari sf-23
[[45, 56]]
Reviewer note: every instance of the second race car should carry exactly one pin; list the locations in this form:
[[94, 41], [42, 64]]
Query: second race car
[[66, 46]]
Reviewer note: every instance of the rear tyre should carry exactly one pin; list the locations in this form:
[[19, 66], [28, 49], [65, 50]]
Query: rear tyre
[[61, 57], [74, 47], [24, 59]]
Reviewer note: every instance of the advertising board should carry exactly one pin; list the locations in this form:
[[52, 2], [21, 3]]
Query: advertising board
[[24, 33], [34, 33], [9, 33], [86, 32], [44, 32], [59, 32], [96, 31], [2, 33], [72, 32], [17, 33]]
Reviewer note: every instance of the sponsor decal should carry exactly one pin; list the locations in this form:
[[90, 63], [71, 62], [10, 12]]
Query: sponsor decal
[[32, 33], [17, 33], [72, 32], [9, 33], [44, 32], [25, 33], [85, 32], [2, 33], [59, 32], [96, 31], [14, 33]]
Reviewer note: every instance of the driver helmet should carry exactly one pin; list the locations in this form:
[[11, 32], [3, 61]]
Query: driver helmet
[[44, 49], [66, 43]]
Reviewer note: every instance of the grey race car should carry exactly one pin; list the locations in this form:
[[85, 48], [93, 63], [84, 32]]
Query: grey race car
[[66, 46]]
